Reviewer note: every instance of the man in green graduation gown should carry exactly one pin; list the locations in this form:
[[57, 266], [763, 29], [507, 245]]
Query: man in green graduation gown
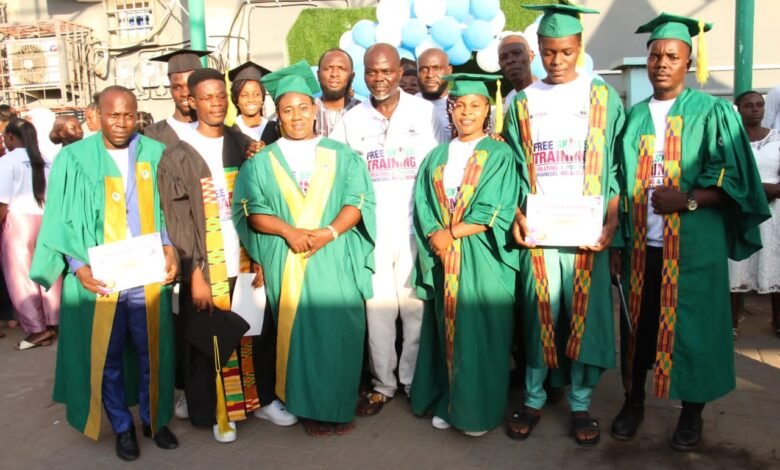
[[563, 130], [304, 210], [692, 198], [101, 190], [464, 205]]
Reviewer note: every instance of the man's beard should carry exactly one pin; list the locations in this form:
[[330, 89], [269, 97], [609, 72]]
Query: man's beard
[[335, 95], [436, 94]]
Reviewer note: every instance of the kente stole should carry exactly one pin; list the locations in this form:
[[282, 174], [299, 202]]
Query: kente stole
[[115, 229], [239, 384], [583, 261], [451, 260], [662, 369], [306, 212]]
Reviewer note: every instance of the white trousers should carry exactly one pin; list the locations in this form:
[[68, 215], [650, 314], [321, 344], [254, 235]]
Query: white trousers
[[393, 295]]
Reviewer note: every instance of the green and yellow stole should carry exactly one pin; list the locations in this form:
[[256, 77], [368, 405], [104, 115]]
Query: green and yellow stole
[[451, 259], [115, 229], [662, 369], [240, 392], [583, 261]]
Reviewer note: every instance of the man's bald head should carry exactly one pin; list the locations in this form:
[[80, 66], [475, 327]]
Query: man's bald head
[[110, 94], [514, 57], [383, 71], [431, 66]]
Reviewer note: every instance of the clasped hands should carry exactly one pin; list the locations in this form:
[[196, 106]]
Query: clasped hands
[[307, 241]]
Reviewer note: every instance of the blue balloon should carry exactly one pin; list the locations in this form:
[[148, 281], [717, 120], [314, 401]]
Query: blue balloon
[[459, 54], [588, 63], [405, 53], [359, 84], [478, 35], [413, 32], [537, 69], [458, 9], [363, 33], [484, 9], [411, 9], [446, 32]]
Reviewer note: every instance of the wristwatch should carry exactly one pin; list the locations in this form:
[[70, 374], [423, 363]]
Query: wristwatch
[[692, 204]]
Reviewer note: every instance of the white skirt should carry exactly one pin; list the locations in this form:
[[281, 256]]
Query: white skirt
[[760, 272]]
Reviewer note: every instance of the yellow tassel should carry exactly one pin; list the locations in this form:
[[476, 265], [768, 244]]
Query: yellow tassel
[[222, 417], [702, 61], [230, 116], [499, 121]]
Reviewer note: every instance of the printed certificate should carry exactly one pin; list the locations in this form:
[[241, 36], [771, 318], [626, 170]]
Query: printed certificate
[[129, 263], [564, 220]]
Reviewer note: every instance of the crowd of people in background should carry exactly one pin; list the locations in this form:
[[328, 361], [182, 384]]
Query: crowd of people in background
[[396, 228]]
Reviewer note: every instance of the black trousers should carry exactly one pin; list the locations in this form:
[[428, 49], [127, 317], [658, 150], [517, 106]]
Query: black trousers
[[647, 327]]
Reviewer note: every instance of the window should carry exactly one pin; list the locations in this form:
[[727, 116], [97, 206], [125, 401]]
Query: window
[[129, 21]]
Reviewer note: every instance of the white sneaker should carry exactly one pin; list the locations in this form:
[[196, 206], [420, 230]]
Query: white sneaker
[[474, 433], [180, 410], [276, 413], [439, 423], [229, 436]]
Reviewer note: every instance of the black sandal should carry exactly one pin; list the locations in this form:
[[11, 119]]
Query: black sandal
[[525, 419], [581, 421]]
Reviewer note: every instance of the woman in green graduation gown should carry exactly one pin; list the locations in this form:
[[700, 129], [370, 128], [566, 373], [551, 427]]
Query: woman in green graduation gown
[[304, 210], [464, 203]]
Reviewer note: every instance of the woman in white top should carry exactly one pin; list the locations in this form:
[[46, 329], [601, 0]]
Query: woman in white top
[[23, 174], [760, 272], [248, 95]]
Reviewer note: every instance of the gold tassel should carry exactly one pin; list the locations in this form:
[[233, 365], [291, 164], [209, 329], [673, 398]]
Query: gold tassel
[[499, 121], [230, 116], [222, 417], [702, 61]]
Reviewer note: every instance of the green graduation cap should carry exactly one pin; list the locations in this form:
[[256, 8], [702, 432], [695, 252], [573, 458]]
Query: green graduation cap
[[248, 71], [297, 78], [560, 20], [669, 26], [462, 84], [182, 60]]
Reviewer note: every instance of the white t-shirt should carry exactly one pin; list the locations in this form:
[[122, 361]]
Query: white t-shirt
[[509, 98], [210, 149], [16, 186], [559, 127], [253, 132], [440, 108], [121, 158], [300, 156], [458, 154], [182, 129], [655, 222], [393, 149]]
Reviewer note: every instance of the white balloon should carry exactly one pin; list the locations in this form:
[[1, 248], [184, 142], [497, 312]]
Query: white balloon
[[487, 58], [345, 41], [429, 11], [498, 22], [427, 43], [393, 12], [530, 35], [388, 33]]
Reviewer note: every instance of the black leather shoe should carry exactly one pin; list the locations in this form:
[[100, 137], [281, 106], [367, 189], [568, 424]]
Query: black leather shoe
[[687, 435], [164, 438], [627, 422], [127, 445]]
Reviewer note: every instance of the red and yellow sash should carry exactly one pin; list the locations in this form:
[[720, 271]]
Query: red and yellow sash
[[670, 274], [451, 260], [239, 384], [583, 261], [115, 229], [307, 212]]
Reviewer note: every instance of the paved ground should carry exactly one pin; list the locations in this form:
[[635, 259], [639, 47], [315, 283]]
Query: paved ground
[[742, 430]]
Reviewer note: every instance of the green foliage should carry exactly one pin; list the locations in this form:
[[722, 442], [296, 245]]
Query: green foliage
[[319, 29]]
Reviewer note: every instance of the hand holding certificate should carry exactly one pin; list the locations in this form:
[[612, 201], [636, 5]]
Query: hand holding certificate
[[129, 263], [564, 220]]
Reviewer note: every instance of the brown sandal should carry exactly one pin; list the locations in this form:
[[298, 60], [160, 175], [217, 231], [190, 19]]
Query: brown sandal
[[371, 403], [342, 429], [44, 338], [315, 428]]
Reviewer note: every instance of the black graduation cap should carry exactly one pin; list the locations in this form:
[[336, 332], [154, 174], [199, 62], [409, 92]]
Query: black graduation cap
[[182, 60], [227, 326], [248, 71]]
